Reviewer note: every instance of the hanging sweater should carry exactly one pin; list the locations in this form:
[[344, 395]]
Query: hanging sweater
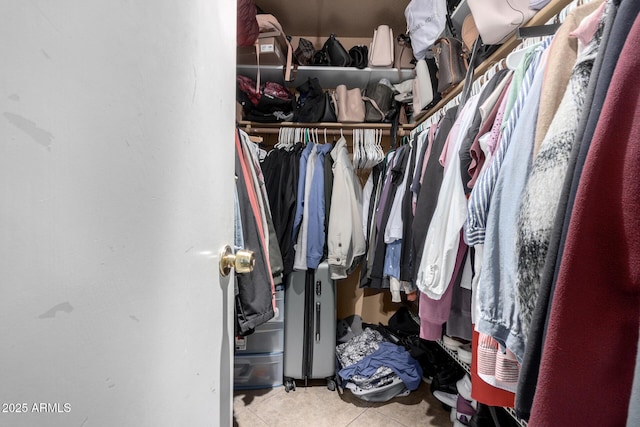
[[542, 194], [498, 310]]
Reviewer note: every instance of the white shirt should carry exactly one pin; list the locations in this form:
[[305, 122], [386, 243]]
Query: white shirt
[[443, 237]]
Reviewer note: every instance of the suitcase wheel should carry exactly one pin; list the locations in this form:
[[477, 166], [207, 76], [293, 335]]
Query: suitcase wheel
[[289, 384], [331, 384]]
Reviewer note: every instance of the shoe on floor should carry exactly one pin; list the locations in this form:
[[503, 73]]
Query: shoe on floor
[[451, 400], [452, 343], [464, 410], [464, 353], [464, 387]]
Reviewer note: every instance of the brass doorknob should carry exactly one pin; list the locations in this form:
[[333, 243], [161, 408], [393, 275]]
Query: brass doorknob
[[243, 261]]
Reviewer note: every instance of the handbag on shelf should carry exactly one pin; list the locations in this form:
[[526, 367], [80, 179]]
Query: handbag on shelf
[[304, 52], [314, 105], [496, 20], [378, 102], [422, 89], [403, 53], [381, 49], [349, 105], [452, 63], [469, 36], [329, 115], [336, 53], [271, 103], [321, 58], [359, 56]]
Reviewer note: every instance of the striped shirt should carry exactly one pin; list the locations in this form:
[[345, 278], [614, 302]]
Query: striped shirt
[[480, 198]]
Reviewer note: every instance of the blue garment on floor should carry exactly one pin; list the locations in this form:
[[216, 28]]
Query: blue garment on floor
[[394, 357]]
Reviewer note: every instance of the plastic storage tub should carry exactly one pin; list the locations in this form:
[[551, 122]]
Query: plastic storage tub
[[252, 371]]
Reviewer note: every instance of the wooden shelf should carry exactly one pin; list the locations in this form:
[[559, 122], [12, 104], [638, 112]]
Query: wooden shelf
[[542, 17]]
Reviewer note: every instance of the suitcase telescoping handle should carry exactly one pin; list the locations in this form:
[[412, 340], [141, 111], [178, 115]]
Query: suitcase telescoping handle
[[318, 321]]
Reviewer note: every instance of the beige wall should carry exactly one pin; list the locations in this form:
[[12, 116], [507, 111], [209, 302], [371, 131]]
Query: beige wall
[[374, 306]]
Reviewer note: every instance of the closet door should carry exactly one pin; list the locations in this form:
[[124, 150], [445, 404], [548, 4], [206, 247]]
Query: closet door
[[116, 188]]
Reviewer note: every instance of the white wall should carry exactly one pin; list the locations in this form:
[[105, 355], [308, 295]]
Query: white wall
[[116, 157]]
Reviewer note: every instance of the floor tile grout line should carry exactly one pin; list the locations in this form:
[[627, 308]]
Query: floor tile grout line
[[359, 415], [259, 417]]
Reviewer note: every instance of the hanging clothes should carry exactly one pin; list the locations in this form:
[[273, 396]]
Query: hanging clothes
[[345, 238], [596, 305], [308, 161], [430, 188], [443, 236], [316, 235], [395, 178], [273, 249], [542, 192], [531, 363], [255, 299], [281, 171], [498, 311]]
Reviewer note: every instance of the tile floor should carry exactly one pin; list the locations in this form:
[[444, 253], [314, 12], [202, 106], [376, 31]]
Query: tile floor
[[316, 406]]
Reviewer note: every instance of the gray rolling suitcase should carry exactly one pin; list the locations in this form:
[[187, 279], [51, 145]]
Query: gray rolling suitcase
[[310, 327]]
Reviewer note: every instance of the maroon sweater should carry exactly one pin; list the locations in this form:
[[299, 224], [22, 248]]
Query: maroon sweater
[[589, 355]]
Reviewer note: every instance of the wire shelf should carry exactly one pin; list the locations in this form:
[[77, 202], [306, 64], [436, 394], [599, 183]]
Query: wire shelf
[[467, 368]]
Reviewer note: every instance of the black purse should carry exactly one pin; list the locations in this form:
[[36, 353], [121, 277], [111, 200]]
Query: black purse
[[329, 109], [359, 56], [314, 105], [337, 54]]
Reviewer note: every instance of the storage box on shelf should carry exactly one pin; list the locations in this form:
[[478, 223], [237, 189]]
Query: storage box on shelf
[[272, 49]]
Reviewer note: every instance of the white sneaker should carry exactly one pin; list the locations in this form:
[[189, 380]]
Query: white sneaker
[[451, 343], [464, 353], [451, 400], [464, 387]]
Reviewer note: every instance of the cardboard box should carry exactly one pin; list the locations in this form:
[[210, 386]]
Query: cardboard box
[[273, 51]]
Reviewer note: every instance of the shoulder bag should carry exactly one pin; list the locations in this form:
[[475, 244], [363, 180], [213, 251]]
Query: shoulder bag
[[336, 53], [496, 20], [349, 105], [381, 49], [452, 63], [378, 102]]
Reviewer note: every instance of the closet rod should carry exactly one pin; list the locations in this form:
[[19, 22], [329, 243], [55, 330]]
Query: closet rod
[[332, 132]]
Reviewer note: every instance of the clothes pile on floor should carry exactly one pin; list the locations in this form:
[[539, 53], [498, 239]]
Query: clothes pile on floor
[[374, 369]]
